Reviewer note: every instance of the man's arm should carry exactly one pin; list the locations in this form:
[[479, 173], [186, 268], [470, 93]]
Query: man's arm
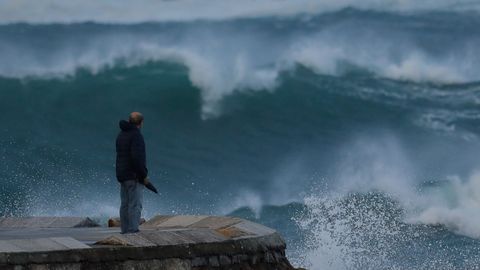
[[137, 151]]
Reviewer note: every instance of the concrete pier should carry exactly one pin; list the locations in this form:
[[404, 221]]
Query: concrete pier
[[164, 242]]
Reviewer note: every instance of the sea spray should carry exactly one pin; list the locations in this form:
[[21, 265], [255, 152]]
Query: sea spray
[[368, 231], [352, 232]]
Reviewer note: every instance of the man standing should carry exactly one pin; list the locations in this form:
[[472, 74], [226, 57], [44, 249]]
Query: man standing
[[131, 171]]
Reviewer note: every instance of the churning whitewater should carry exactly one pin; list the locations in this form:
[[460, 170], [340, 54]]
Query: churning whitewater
[[352, 128]]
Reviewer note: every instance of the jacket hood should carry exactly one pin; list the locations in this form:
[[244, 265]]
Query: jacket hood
[[126, 126]]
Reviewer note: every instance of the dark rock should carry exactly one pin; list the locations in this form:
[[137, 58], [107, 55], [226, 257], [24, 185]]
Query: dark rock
[[269, 258], [213, 261], [199, 261], [224, 260]]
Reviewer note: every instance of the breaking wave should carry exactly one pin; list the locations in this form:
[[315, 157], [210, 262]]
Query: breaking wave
[[224, 57]]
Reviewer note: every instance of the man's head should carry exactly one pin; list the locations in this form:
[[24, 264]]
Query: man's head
[[136, 119]]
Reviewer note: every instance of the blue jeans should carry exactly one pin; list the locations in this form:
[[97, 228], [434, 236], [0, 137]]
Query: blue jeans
[[131, 194]]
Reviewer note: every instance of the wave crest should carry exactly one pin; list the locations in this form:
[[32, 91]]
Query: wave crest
[[233, 56]]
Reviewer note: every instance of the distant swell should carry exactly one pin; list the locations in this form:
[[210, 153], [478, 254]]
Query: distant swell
[[58, 11]]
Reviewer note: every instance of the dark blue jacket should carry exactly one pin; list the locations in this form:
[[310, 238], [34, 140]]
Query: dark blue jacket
[[131, 157]]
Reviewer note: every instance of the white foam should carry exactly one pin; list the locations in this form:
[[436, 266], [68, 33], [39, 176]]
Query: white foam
[[444, 122], [417, 67], [327, 52], [454, 204]]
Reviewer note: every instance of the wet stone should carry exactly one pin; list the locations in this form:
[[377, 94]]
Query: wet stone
[[254, 259], [213, 261], [199, 261], [269, 258], [224, 260], [278, 256], [239, 258]]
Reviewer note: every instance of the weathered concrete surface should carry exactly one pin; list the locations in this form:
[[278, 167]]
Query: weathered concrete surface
[[46, 222], [40, 244], [165, 242], [85, 235]]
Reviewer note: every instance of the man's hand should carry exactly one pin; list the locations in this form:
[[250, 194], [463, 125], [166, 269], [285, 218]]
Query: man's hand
[[146, 181]]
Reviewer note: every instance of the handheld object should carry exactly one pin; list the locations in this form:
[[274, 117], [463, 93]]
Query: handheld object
[[151, 187]]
